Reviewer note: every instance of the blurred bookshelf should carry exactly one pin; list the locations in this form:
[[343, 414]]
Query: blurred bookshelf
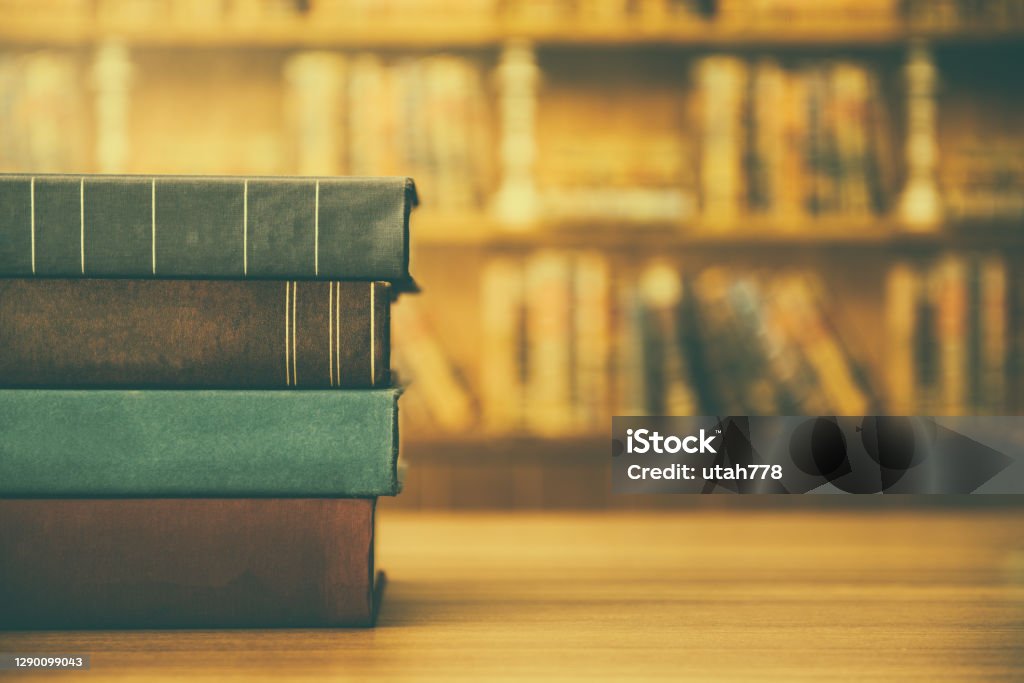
[[628, 205]]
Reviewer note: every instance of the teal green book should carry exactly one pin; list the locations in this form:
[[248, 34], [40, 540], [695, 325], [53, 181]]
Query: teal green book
[[198, 444]]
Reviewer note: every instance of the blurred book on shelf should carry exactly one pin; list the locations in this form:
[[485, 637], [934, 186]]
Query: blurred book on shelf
[[790, 142], [641, 177], [422, 116], [1015, 341], [438, 399], [569, 342], [41, 106], [767, 345], [946, 14], [547, 343], [950, 351], [316, 107], [985, 181]]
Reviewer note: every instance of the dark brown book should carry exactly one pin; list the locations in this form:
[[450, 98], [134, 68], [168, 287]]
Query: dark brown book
[[189, 333], [186, 563]]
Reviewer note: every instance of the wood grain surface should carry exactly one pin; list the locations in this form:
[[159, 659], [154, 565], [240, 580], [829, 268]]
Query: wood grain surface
[[933, 595]]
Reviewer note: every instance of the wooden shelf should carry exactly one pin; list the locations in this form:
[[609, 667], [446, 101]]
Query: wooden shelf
[[287, 32], [433, 231]]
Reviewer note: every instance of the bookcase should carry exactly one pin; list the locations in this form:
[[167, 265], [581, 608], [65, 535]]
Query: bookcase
[[680, 205]]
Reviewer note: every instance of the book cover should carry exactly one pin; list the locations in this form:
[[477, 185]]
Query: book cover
[[198, 443], [186, 563], [193, 333], [205, 227]]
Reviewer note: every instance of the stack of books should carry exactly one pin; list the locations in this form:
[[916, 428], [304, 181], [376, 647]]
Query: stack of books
[[196, 412]]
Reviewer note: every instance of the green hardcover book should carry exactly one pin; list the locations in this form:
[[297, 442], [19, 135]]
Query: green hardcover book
[[196, 444], [205, 227]]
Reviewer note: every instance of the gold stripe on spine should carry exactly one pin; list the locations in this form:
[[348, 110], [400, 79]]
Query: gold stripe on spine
[[32, 221], [245, 227], [373, 337], [295, 355], [152, 211], [337, 331], [81, 221], [316, 230], [330, 331], [287, 334]]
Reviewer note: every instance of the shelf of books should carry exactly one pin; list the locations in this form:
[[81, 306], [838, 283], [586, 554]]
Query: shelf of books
[[609, 224]]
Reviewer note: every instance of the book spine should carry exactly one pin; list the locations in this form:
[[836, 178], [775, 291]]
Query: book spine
[[661, 290], [820, 344], [795, 373], [592, 340], [765, 389], [502, 371], [722, 357], [630, 359], [722, 82], [767, 176], [817, 141], [213, 227], [994, 335], [974, 337], [795, 175], [548, 283], [315, 111], [1016, 339], [952, 335], [200, 443], [180, 333], [927, 348], [186, 563], [879, 144], [852, 89]]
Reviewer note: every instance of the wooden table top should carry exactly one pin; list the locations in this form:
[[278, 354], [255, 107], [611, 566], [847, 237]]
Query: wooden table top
[[699, 595]]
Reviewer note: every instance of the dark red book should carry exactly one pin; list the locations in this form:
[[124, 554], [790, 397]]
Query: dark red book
[[186, 563]]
